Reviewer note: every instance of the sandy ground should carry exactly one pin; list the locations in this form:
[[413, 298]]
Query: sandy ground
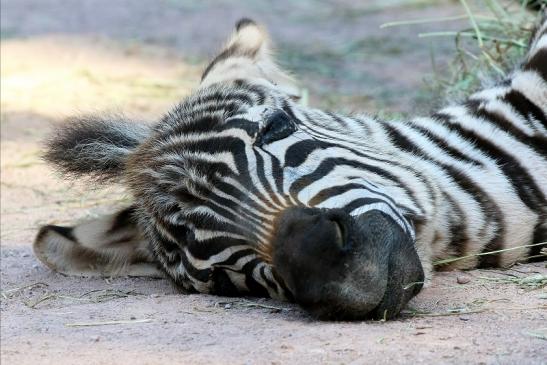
[[64, 57]]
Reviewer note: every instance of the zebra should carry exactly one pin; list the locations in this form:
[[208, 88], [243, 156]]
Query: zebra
[[242, 190]]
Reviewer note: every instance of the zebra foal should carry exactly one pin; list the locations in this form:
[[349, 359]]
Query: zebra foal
[[239, 190]]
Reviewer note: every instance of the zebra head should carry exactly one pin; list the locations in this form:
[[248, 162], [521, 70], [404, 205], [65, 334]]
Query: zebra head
[[246, 179], [240, 190]]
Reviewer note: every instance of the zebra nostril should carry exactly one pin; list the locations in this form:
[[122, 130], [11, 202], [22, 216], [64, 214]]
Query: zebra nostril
[[340, 222], [339, 232]]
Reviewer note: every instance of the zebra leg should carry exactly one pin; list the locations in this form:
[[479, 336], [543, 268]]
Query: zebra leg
[[110, 245]]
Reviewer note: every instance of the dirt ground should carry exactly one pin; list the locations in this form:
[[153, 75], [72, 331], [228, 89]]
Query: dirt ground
[[139, 57]]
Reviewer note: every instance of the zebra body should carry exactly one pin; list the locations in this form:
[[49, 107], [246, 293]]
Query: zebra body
[[239, 169]]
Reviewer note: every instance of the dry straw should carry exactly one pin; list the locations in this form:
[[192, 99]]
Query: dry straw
[[485, 51]]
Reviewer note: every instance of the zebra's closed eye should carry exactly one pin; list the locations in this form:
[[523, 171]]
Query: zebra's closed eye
[[276, 126]]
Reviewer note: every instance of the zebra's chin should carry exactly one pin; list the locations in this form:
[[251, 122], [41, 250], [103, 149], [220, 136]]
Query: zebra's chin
[[341, 267]]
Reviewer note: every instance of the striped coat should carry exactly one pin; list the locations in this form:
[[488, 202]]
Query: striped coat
[[213, 179]]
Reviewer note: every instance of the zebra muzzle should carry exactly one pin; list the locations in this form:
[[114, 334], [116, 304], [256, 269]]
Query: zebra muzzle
[[342, 267]]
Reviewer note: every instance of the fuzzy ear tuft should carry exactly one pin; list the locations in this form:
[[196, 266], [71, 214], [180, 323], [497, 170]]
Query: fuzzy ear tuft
[[94, 146], [248, 55]]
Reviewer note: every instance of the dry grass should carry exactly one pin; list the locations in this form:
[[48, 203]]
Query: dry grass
[[93, 296], [486, 51], [454, 259], [530, 282], [107, 323]]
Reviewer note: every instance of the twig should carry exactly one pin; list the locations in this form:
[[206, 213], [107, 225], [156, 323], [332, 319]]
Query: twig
[[472, 311], [539, 333], [15, 290], [472, 35], [449, 313], [453, 259], [43, 299], [107, 323], [473, 23], [535, 281], [540, 307], [408, 286], [248, 303], [431, 20], [204, 310]]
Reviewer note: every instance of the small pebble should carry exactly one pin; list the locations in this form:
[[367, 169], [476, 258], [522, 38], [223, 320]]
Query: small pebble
[[227, 306], [464, 319], [463, 279], [132, 318], [154, 296]]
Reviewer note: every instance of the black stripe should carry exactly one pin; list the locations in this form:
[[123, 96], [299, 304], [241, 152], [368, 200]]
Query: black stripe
[[283, 286], [258, 91], [540, 235], [523, 183], [538, 63], [244, 22], [297, 153], [240, 196], [327, 193], [122, 219], [444, 146], [340, 121], [458, 233], [525, 107], [222, 284], [234, 50], [255, 288], [186, 125], [331, 141], [277, 173], [328, 164], [215, 145], [204, 250], [264, 277], [537, 142], [262, 177], [490, 210], [234, 257], [362, 202], [220, 203], [315, 121], [66, 232], [203, 275], [220, 97]]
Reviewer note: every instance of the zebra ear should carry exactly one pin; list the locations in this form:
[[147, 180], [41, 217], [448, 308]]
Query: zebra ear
[[248, 56]]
